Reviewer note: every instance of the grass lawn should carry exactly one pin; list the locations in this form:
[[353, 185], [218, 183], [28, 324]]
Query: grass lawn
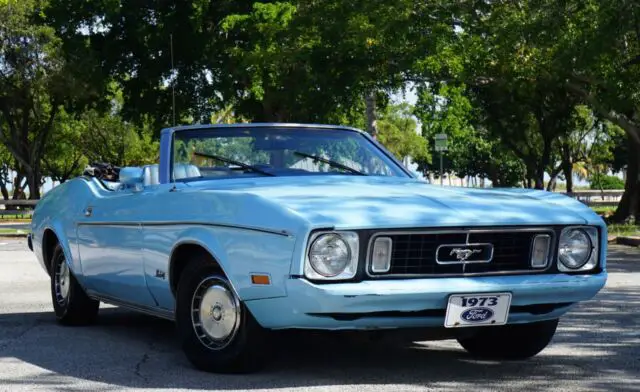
[[624, 230], [15, 218], [12, 231], [605, 210]]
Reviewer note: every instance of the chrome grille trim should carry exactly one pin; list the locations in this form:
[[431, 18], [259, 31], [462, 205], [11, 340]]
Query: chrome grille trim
[[468, 232]]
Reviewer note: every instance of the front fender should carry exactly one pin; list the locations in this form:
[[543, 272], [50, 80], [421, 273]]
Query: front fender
[[240, 252]]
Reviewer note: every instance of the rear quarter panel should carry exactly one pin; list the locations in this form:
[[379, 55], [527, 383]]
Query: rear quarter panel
[[58, 211]]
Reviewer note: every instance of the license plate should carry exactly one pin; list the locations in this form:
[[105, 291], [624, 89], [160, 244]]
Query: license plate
[[470, 310]]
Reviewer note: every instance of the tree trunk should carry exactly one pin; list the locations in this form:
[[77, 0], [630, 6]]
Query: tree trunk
[[554, 179], [370, 101], [629, 206], [544, 162], [18, 185], [4, 190], [552, 184], [567, 169], [34, 178]]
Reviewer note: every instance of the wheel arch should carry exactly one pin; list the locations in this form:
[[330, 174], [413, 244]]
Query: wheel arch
[[185, 250], [50, 238]]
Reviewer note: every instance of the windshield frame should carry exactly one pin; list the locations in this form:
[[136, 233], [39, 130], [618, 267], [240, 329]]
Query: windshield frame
[[389, 158]]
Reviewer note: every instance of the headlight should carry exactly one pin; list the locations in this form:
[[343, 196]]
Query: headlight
[[332, 255], [578, 249]]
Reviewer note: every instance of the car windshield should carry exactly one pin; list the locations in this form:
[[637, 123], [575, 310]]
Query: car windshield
[[277, 151]]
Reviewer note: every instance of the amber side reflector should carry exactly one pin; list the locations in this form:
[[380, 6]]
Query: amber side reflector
[[260, 279]]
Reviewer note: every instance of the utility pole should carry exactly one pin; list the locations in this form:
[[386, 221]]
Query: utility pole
[[441, 174]]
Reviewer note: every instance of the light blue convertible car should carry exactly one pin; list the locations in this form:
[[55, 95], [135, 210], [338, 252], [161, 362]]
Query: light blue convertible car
[[246, 228]]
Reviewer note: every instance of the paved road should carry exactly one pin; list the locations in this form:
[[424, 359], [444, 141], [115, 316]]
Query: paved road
[[597, 348], [14, 225]]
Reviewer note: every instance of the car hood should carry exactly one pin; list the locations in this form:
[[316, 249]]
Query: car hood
[[385, 202]]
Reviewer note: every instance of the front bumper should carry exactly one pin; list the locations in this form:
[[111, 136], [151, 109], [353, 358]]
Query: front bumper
[[417, 302], [30, 241]]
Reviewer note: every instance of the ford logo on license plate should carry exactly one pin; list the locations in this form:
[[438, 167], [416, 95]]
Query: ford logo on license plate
[[475, 315]]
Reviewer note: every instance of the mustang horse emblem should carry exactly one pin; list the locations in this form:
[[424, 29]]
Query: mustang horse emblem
[[463, 254]]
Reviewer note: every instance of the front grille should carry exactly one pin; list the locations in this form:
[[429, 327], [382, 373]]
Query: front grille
[[415, 253]]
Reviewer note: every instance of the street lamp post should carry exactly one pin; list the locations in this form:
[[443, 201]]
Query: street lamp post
[[441, 145]]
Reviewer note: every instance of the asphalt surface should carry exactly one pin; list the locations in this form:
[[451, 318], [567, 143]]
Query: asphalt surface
[[597, 348], [14, 225]]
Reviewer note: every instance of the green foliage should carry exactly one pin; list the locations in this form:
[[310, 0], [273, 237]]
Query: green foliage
[[602, 181], [35, 83], [397, 132], [64, 157], [107, 138], [520, 88], [472, 151]]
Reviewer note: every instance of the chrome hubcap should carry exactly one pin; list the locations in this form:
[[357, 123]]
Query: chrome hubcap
[[215, 313], [62, 282]]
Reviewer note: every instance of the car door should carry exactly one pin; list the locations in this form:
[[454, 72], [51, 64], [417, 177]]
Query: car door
[[111, 249]]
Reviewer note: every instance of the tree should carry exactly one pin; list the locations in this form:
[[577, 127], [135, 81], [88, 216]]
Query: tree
[[107, 138], [273, 61], [5, 172], [64, 156], [595, 49], [583, 148], [35, 83], [397, 132], [472, 151]]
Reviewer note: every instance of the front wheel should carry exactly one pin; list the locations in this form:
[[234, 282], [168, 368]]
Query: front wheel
[[516, 341], [217, 331]]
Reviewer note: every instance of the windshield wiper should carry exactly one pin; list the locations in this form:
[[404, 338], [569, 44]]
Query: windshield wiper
[[232, 162], [329, 162]]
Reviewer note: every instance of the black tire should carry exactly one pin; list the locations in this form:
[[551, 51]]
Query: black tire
[[242, 351], [71, 304], [511, 342]]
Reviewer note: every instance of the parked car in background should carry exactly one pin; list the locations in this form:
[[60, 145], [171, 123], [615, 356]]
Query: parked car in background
[[246, 228]]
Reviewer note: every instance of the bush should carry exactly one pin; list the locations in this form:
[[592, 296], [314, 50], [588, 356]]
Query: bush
[[602, 181]]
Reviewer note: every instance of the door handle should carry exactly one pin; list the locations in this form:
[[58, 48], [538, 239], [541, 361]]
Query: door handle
[[88, 211]]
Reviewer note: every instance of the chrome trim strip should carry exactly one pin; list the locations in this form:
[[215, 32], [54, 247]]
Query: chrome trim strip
[[184, 223], [463, 246], [162, 313], [369, 274]]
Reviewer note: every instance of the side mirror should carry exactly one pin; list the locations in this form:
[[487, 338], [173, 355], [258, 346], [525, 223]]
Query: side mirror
[[131, 177]]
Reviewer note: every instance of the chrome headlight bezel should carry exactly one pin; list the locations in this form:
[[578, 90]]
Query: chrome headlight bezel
[[351, 239], [591, 261]]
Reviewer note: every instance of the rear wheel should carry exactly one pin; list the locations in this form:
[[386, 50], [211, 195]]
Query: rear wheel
[[516, 341], [217, 332], [71, 304]]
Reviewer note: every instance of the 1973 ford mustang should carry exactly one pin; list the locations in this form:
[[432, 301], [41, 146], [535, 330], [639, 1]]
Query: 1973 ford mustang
[[246, 228]]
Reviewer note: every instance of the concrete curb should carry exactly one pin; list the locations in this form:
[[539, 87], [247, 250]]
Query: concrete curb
[[14, 235], [629, 241]]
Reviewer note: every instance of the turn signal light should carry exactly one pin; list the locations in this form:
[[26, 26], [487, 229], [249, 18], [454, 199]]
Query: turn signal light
[[540, 251], [260, 279], [381, 256]]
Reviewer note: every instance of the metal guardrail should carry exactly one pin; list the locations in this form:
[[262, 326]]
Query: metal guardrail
[[17, 207], [609, 197], [19, 202]]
